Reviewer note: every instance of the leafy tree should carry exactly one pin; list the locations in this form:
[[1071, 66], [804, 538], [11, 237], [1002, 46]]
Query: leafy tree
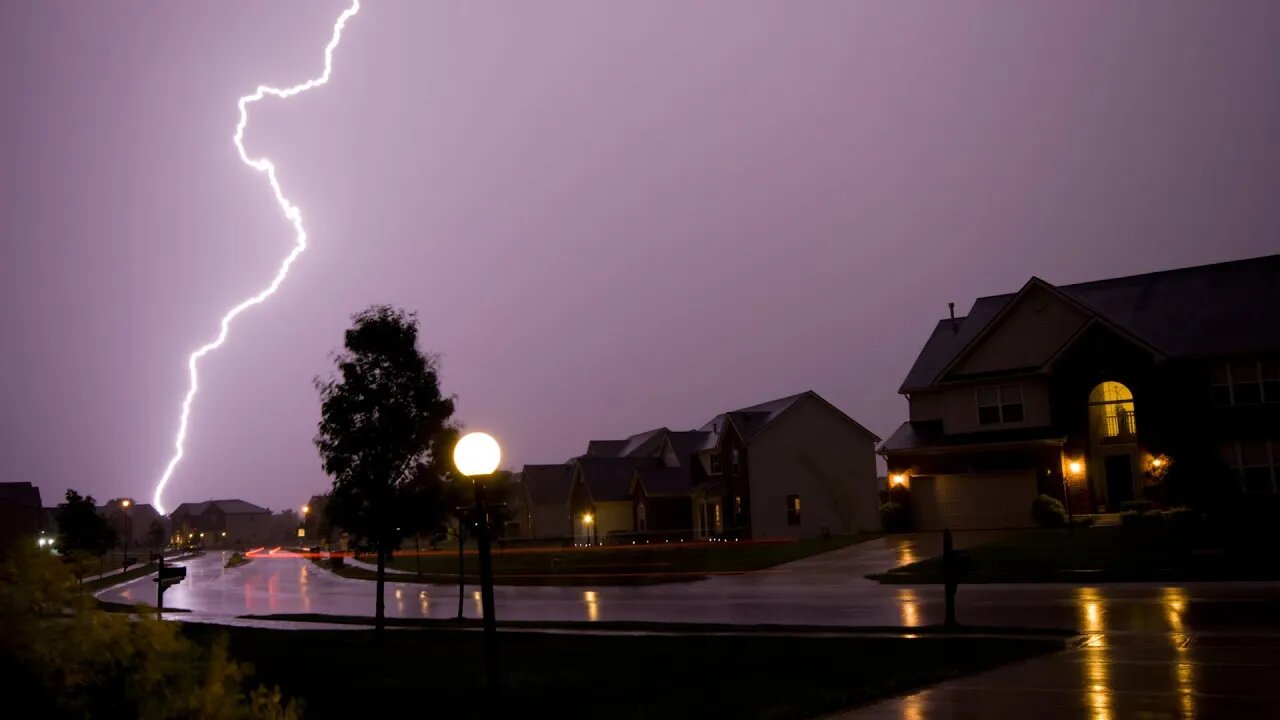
[[61, 654], [381, 417], [82, 531]]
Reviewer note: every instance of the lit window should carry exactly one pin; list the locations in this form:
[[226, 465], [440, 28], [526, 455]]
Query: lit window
[[793, 509], [1000, 404], [737, 505], [719, 522], [1116, 403]]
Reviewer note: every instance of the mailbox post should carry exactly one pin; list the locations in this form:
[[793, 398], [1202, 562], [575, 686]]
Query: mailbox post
[[165, 577]]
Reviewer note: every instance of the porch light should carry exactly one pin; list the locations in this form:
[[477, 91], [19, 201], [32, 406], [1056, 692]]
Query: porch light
[[1076, 467], [898, 479], [586, 519]]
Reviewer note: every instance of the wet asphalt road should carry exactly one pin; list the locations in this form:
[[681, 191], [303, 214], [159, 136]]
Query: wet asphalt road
[[1148, 650]]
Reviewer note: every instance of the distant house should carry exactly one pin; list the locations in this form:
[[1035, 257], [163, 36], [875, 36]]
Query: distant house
[[134, 521], [21, 516], [792, 467], [1163, 386], [224, 523], [541, 496]]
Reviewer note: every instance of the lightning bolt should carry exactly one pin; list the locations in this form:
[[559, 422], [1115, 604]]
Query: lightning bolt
[[291, 213]]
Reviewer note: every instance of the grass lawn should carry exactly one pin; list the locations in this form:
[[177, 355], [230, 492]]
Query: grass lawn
[[1106, 554], [343, 674], [620, 565]]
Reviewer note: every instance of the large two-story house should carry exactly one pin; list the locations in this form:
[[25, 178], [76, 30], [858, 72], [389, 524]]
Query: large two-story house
[[1163, 386], [792, 467]]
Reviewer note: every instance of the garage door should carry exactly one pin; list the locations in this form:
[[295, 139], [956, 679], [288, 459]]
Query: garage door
[[973, 501]]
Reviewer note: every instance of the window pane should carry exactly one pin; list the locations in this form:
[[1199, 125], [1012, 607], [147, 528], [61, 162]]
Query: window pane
[[1258, 480], [1012, 413], [1010, 393], [988, 396], [1221, 395], [1229, 457], [1244, 371], [1254, 453], [1247, 393], [1271, 369], [989, 415], [1218, 374]]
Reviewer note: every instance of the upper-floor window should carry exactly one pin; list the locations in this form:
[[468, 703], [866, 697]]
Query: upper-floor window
[[1000, 404], [1111, 404], [716, 464], [733, 461], [1256, 463], [793, 509], [1246, 382]]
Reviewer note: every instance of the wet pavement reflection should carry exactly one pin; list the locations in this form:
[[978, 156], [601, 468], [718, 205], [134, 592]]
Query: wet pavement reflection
[[1192, 650]]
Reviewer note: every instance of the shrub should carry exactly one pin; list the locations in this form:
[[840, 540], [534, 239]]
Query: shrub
[[236, 559], [894, 517], [1184, 518], [1151, 519], [1138, 506], [1048, 512]]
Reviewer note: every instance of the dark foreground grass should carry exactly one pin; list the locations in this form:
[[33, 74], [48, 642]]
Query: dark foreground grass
[[1107, 554], [610, 565], [346, 674]]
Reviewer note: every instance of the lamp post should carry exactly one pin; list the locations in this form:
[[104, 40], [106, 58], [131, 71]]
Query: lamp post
[[588, 521], [125, 504], [477, 455]]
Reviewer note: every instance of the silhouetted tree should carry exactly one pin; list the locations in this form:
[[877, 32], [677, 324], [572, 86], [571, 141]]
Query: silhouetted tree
[[380, 419], [156, 536], [82, 531]]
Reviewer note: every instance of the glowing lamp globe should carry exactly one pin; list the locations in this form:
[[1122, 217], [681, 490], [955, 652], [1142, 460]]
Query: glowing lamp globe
[[477, 453]]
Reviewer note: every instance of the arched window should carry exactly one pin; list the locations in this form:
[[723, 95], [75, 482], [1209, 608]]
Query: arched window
[[1115, 402]]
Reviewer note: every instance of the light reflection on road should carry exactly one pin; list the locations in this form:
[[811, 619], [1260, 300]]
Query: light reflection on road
[[1097, 664]]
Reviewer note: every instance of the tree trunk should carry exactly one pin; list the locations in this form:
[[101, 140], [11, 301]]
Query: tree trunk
[[380, 612]]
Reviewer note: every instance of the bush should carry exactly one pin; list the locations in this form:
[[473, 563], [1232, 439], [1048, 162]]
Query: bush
[[1048, 512], [894, 517], [236, 559], [1138, 506], [1184, 518], [1151, 519]]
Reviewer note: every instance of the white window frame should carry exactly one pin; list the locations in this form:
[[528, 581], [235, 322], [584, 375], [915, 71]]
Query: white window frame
[[1273, 460], [1000, 403], [1231, 384]]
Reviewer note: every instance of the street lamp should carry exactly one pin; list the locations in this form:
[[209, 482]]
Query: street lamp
[[125, 504], [476, 456], [587, 520]]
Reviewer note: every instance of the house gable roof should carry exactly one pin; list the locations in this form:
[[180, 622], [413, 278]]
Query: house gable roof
[[228, 507], [547, 484], [1207, 310], [609, 479]]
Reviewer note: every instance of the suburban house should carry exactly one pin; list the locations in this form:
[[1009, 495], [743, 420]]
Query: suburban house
[[133, 521], [1163, 386], [21, 517], [223, 523], [792, 467], [540, 496]]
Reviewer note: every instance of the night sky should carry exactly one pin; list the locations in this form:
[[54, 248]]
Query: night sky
[[609, 216]]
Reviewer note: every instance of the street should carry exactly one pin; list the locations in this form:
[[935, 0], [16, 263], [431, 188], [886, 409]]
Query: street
[[1167, 650]]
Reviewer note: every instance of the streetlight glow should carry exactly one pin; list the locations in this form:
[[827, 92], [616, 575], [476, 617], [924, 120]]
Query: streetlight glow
[[477, 453], [306, 509], [586, 519], [126, 503]]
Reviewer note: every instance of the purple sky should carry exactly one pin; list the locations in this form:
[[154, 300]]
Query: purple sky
[[609, 216]]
